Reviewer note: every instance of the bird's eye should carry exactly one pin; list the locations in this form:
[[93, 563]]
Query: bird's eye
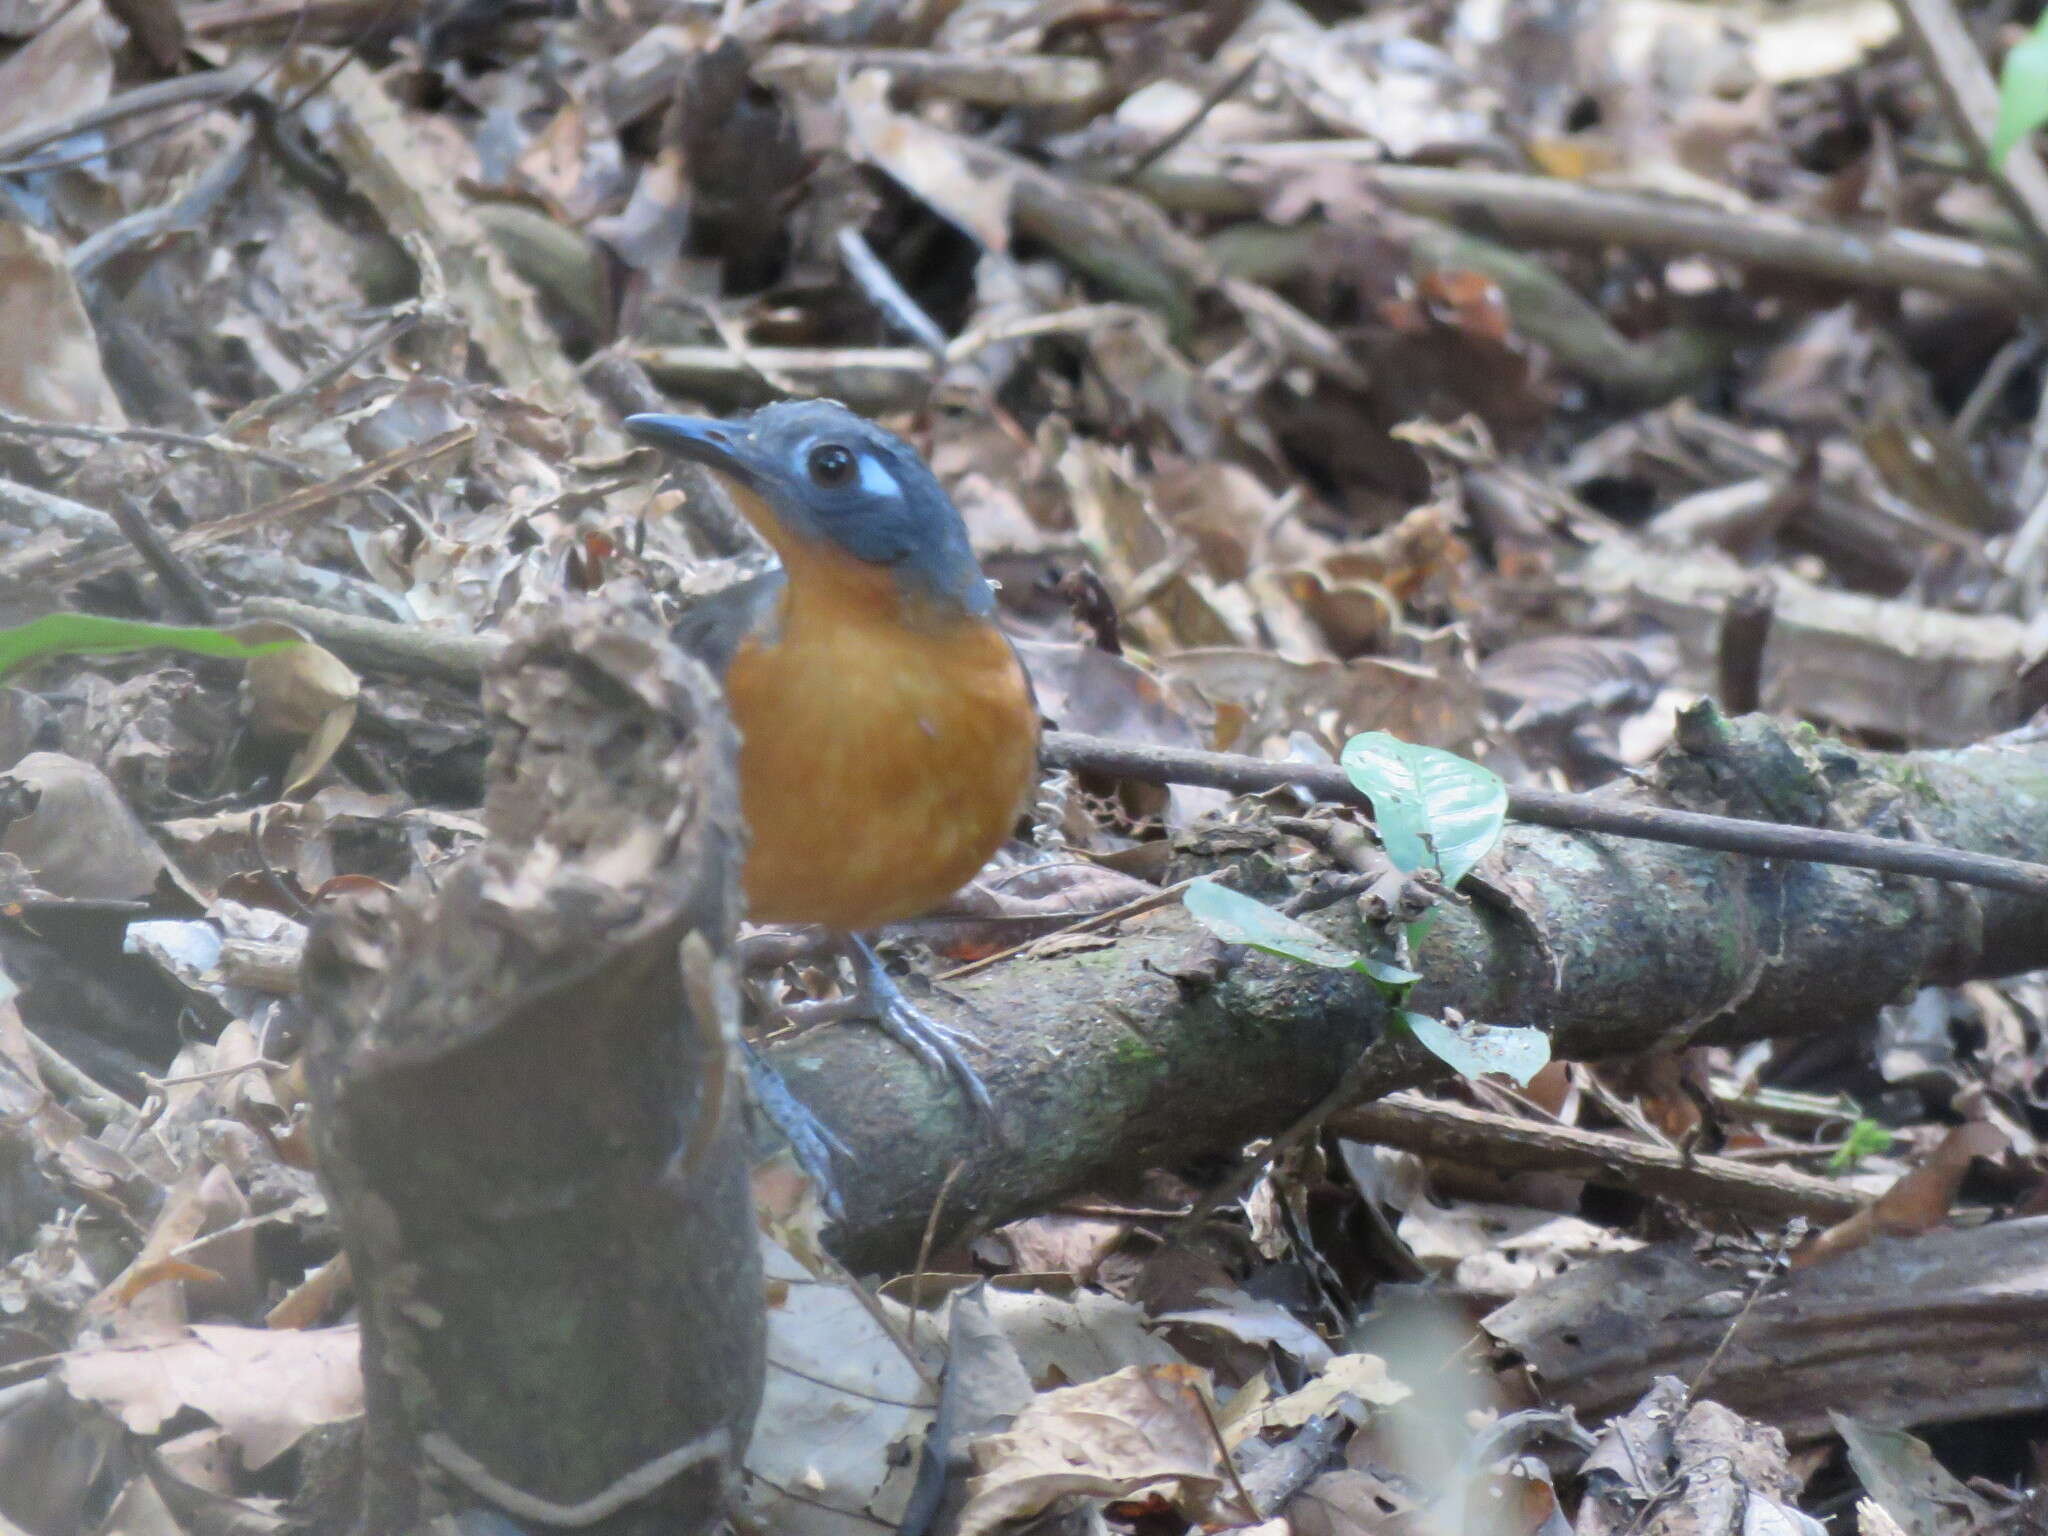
[[831, 466]]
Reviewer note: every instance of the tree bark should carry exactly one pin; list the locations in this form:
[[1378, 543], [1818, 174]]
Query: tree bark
[[521, 1114], [1169, 1049]]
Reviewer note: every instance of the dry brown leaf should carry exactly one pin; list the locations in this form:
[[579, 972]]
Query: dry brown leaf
[[1140, 1431], [1364, 1377], [66, 69], [266, 1389], [1352, 1504], [971, 190], [1918, 1202], [181, 1219], [1154, 575], [310, 1300], [50, 358], [81, 839], [1434, 704], [302, 692], [1233, 519], [1065, 1245]]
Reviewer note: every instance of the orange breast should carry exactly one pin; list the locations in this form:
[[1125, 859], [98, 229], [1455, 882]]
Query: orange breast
[[885, 752]]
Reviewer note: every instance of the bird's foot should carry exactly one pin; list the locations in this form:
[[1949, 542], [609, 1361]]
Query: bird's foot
[[936, 1045], [879, 998]]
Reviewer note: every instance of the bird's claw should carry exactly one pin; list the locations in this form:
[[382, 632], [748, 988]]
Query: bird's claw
[[936, 1045]]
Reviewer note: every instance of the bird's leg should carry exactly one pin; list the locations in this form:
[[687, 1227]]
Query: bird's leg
[[936, 1045], [876, 996], [817, 1151]]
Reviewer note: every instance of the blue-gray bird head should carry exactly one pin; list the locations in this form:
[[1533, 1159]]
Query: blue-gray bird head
[[822, 473]]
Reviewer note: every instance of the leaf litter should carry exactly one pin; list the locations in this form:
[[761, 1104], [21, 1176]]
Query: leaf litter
[[1301, 372]]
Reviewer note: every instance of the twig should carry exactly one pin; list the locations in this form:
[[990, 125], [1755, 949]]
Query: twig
[[886, 294], [362, 479], [219, 18], [215, 1074], [991, 80], [313, 383], [462, 658], [186, 211], [1160, 898], [925, 1241], [1080, 320], [59, 1073], [404, 648], [183, 589], [1251, 1505], [2016, 354], [185, 90], [1969, 97], [1216, 95], [1551, 808], [1756, 1293], [21, 426], [872, 379], [1415, 1124], [1538, 210]]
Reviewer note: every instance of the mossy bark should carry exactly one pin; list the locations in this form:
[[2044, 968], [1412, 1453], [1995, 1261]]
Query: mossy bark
[[1169, 1049]]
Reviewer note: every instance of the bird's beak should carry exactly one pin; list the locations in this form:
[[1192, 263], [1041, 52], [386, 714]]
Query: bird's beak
[[721, 445]]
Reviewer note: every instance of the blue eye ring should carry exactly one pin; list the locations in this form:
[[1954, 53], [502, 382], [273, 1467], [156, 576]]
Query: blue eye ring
[[831, 465]]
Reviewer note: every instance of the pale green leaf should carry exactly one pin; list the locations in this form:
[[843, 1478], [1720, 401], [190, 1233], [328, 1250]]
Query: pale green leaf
[[2022, 92], [1434, 809], [1474, 1050]]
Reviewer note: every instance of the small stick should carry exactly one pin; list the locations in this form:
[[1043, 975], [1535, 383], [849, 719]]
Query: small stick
[[886, 293], [1584, 813], [1484, 1139], [1218, 93], [183, 590]]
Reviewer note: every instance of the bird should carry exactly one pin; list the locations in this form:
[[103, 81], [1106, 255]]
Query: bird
[[888, 730]]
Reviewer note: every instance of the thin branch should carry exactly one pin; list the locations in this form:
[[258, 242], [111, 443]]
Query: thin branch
[[886, 293], [1217, 94], [184, 90], [1537, 210], [1969, 97], [1552, 808], [1413, 1123]]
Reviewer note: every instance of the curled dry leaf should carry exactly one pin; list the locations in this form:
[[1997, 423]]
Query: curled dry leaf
[[1140, 1432], [301, 691], [1918, 1202], [1363, 1377]]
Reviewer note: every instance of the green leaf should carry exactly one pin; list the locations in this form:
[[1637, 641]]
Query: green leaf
[[1474, 1050], [1237, 919], [1866, 1138], [75, 634], [2022, 92], [1435, 809]]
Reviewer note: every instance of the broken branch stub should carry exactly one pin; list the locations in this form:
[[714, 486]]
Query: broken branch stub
[[519, 1090]]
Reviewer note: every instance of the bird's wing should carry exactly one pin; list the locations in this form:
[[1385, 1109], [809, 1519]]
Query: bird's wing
[[713, 627]]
